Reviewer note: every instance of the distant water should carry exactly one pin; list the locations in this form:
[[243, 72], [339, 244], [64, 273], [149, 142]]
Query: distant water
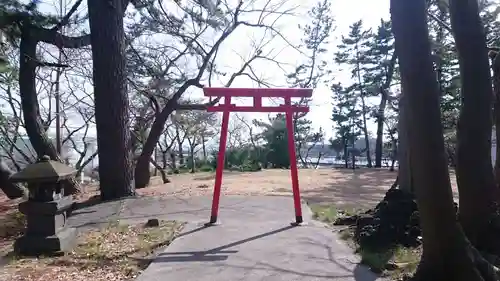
[[360, 161]]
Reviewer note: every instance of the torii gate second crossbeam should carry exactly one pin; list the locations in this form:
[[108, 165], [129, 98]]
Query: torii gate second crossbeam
[[257, 94]]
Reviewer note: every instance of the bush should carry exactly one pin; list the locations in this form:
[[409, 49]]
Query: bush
[[206, 168], [245, 159]]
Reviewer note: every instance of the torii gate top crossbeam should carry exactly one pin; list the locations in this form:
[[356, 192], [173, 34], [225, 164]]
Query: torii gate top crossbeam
[[259, 92], [257, 95]]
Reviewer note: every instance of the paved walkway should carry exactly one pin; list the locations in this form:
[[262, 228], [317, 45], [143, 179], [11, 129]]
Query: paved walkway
[[254, 241]]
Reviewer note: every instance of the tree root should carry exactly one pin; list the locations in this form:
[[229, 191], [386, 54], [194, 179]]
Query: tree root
[[462, 265]]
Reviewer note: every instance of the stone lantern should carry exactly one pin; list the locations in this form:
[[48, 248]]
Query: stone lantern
[[46, 209]]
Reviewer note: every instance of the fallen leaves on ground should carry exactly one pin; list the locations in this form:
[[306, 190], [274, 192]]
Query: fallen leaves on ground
[[118, 252]]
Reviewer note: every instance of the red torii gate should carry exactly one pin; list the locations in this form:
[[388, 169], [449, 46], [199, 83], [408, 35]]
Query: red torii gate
[[257, 94]]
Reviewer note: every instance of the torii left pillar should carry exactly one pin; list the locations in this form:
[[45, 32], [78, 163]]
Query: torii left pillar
[[257, 95]]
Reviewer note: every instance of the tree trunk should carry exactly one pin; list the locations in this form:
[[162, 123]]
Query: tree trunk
[[193, 165], [496, 111], [404, 170], [367, 136], [164, 159], [163, 174], [179, 144], [203, 148], [346, 155], [29, 104], [11, 190], [379, 144], [445, 249], [142, 174], [164, 177], [475, 178], [172, 158], [394, 155], [110, 97]]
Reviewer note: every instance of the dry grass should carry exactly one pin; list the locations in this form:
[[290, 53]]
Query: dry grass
[[347, 188], [395, 262], [118, 252]]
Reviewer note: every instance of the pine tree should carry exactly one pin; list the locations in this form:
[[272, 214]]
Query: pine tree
[[347, 119], [309, 73], [352, 54], [379, 74]]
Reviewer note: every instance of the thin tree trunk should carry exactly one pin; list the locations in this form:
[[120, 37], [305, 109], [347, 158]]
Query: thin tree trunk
[[173, 159], [164, 159], [110, 97], [366, 135], [346, 155], [363, 106], [379, 143], [203, 147], [181, 150], [394, 156], [475, 178], [142, 174], [447, 255], [29, 104], [163, 174], [193, 165]]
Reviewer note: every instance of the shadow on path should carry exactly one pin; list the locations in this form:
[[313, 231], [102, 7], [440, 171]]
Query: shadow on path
[[212, 254]]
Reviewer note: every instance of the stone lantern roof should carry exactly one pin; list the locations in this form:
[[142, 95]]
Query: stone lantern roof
[[45, 170]]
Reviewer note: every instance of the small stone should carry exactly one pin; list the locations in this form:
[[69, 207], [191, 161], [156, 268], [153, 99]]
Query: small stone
[[153, 223]]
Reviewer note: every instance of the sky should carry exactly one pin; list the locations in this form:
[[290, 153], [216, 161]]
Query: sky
[[345, 12]]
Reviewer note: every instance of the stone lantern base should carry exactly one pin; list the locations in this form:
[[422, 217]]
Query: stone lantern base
[[46, 231], [30, 245]]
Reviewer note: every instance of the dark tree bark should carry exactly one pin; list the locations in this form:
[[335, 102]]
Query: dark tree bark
[[173, 159], [142, 167], [346, 155], [447, 254], [379, 143], [366, 135], [191, 155], [11, 190], [180, 145], [203, 147], [110, 97], [475, 179], [395, 155], [142, 174], [496, 109], [404, 169], [30, 36]]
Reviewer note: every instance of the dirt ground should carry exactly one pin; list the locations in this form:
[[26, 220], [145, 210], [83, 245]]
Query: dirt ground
[[345, 188]]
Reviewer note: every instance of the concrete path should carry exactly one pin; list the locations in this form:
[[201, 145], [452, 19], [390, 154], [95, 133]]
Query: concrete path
[[253, 242]]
